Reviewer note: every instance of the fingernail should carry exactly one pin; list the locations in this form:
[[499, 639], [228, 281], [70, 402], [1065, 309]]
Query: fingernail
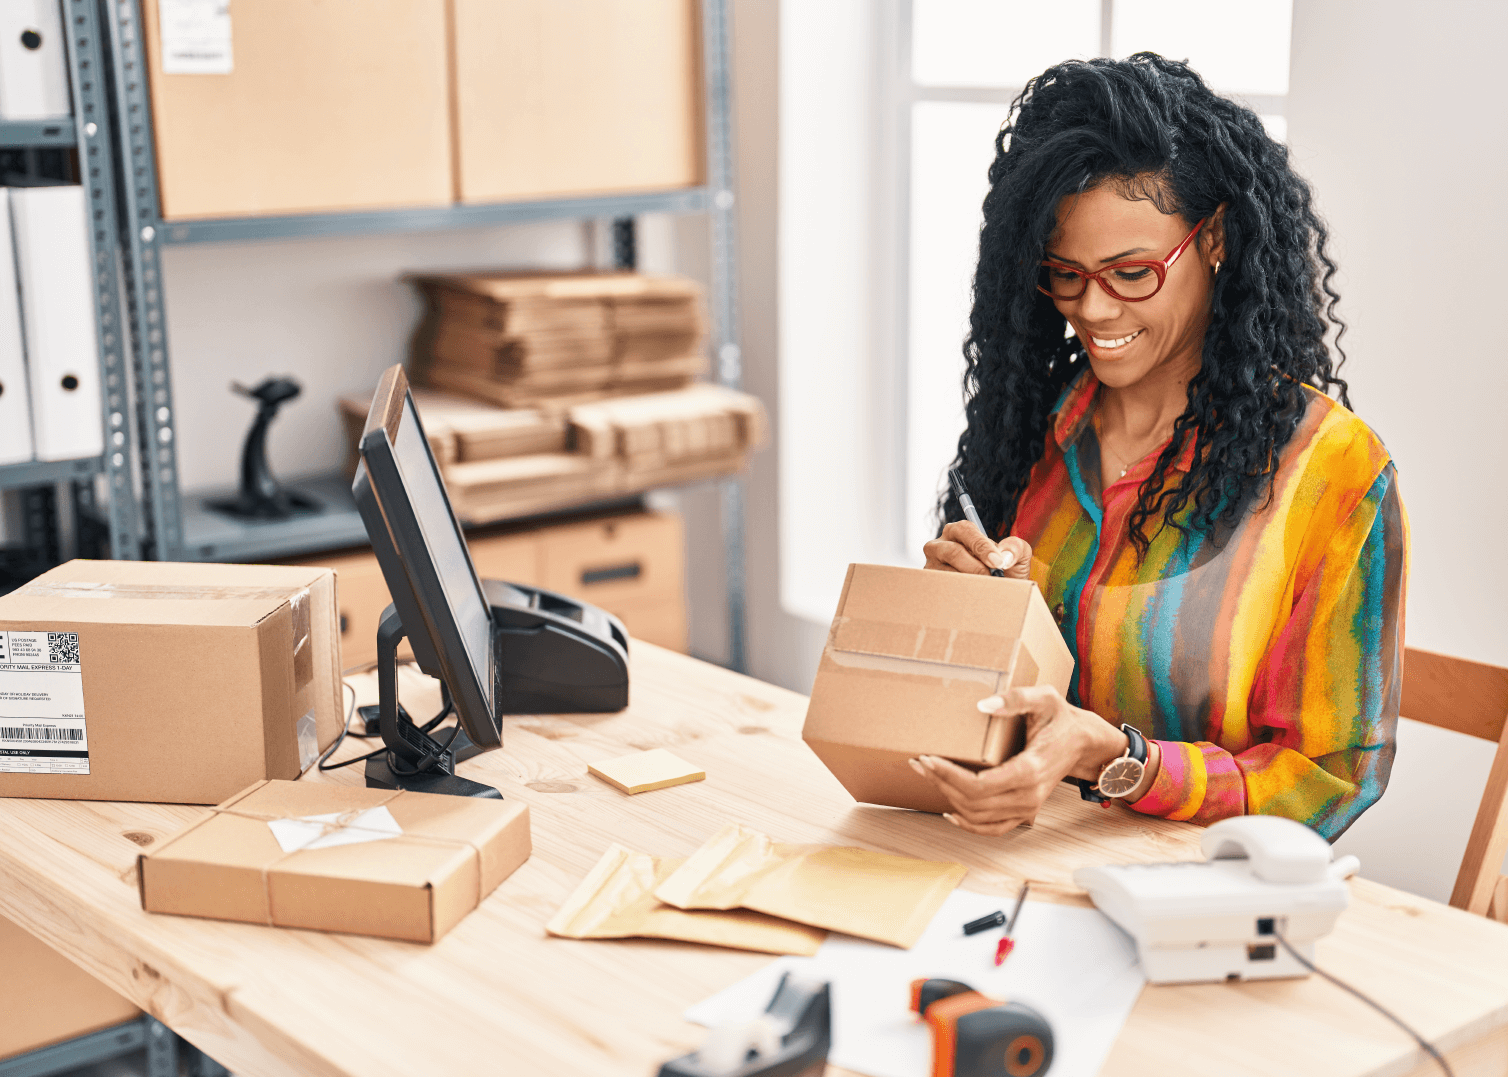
[[950, 818], [997, 559], [916, 766], [990, 704], [1007, 559]]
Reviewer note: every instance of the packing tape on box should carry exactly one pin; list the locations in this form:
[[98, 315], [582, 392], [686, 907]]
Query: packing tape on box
[[993, 679], [298, 601], [347, 821]]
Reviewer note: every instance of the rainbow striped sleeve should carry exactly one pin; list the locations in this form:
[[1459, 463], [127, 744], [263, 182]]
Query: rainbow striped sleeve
[[1324, 701]]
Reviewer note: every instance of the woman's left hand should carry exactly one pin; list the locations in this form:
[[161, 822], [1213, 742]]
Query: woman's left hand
[[1061, 741]]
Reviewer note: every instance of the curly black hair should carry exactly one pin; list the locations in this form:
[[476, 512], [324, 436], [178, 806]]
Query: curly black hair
[[1151, 126]]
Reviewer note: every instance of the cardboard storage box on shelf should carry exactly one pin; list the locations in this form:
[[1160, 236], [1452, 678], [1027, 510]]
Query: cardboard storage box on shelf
[[45, 998], [569, 97], [301, 108], [327, 857], [163, 682], [909, 655]]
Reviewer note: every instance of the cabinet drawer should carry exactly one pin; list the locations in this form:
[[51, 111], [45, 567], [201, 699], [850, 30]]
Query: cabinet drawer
[[628, 559]]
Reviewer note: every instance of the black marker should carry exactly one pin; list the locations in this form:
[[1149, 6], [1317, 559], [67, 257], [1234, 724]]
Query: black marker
[[966, 503]]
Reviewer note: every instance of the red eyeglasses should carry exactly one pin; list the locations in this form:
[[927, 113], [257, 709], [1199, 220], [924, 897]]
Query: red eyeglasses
[[1133, 282]]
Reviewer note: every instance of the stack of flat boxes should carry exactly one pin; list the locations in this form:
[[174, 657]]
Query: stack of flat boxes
[[519, 339]]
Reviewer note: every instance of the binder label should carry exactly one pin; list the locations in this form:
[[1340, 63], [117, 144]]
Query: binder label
[[42, 704], [195, 37]]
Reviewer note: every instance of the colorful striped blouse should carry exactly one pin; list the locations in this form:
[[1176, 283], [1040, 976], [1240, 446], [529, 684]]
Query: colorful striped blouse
[[1268, 665]]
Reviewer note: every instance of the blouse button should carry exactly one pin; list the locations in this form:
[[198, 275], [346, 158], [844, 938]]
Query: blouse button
[[1058, 613]]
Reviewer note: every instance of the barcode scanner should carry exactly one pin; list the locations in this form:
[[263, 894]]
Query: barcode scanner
[[977, 1036]]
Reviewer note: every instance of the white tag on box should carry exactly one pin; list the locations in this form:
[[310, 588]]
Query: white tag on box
[[315, 831], [196, 37]]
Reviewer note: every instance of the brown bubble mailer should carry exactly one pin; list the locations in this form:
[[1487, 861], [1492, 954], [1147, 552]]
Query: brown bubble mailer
[[616, 901], [871, 895]]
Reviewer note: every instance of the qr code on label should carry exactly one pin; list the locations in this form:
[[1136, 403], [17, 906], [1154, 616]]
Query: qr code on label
[[63, 647]]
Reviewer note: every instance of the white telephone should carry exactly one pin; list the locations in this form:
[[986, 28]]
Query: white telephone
[[1219, 918]]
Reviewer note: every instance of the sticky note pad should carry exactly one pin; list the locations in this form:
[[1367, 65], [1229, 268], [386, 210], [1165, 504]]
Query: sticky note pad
[[643, 771]]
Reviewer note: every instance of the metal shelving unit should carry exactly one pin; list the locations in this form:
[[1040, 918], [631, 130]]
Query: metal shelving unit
[[159, 1046], [90, 132], [176, 527]]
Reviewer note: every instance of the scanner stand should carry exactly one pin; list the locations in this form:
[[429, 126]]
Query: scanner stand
[[414, 760]]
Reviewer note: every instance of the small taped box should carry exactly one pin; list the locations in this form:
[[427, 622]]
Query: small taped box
[[328, 857], [909, 656], [162, 682]]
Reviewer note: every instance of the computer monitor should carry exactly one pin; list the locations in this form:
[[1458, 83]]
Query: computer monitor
[[422, 552]]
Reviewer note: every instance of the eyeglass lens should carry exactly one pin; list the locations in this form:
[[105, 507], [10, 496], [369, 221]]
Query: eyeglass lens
[[1128, 282]]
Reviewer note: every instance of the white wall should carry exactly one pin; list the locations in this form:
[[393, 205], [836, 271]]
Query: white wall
[[1396, 113], [331, 311]]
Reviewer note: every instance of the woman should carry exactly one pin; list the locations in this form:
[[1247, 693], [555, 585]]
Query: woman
[[1150, 438]]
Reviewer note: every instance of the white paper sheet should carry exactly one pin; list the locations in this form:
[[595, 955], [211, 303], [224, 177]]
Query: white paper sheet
[[313, 831], [1072, 965]]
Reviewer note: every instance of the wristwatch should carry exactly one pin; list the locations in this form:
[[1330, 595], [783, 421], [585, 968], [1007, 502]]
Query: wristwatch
[[1119, 776]]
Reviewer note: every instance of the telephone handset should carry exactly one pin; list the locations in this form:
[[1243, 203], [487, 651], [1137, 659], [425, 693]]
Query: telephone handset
[[1221, 918], [1280, 850]]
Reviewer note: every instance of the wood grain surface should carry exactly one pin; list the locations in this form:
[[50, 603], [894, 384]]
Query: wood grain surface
[[497, 995]]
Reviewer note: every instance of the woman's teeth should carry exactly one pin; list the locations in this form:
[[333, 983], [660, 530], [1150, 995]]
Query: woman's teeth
[[1117, 342]]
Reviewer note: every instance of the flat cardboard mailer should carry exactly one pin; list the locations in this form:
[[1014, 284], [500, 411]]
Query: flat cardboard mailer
[[163, 682], [328, 857], [909, 656]]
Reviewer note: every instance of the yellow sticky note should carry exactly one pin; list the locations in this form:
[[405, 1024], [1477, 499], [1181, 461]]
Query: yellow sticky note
[[643, 771]]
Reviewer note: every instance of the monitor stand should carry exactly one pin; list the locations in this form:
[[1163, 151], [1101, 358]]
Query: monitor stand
[[414, 761]]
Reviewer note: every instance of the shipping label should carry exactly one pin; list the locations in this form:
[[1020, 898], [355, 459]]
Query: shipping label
[[42, 704]]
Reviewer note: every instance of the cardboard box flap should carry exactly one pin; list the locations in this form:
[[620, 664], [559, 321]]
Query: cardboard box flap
[[904, 596], [184, 594]]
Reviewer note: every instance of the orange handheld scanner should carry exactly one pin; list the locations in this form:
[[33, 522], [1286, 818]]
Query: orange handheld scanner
[[977, 1036]]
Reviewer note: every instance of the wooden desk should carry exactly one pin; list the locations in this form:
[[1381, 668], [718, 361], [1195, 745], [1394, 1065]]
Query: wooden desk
[[499, 996]]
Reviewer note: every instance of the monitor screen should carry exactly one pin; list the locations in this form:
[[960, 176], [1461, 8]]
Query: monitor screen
[[423, 555]]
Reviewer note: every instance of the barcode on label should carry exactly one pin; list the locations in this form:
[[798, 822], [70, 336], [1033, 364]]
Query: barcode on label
[[44, 733]]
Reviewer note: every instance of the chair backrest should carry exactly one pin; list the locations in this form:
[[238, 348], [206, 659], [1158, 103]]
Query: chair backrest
[[1472, 698]]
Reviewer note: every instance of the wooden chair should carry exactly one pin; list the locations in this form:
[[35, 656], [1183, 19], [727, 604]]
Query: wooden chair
[[1469, 697]]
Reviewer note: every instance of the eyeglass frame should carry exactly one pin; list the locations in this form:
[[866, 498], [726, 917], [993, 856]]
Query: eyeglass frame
[[1160, 268]]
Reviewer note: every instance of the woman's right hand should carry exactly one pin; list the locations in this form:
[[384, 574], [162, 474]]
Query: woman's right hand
[[962, 547]]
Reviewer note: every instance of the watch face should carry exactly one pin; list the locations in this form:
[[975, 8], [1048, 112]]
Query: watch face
[[1121, 776]]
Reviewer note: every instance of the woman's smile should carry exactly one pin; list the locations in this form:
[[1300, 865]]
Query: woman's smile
[[1106, 345]]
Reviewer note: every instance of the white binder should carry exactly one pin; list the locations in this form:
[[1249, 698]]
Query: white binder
[[15, 405], [33, 61], [58, 320]]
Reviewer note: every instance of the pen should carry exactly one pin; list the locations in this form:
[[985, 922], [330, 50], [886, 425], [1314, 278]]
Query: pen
[[1007, 944], [966, 503]]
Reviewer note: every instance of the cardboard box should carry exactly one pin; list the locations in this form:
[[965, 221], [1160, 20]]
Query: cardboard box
[[45, 998], [318, 107], [360, 861], [171, 683], [559, 98], [909, 655]]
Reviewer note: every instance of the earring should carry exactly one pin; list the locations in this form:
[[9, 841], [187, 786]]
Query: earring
[[1217, 266]]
